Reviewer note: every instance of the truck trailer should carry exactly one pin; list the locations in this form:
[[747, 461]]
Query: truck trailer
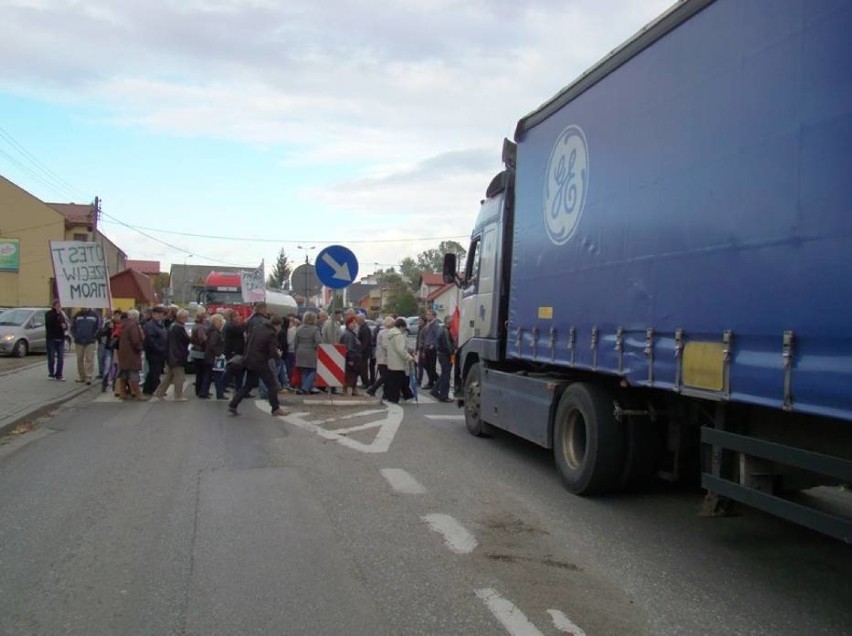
[[659, 283]]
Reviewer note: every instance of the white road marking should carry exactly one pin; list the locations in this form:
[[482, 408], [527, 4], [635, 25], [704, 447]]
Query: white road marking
[[510, 616], [388, 426], [402, 481], [456, 536], [350, 416], [565, 624], [454, 418]]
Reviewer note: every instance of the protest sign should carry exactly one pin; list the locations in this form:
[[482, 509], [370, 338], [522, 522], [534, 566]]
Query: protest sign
[[81, 274], [253, 285]]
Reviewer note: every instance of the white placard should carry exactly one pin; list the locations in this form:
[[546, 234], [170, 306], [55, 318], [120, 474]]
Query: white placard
[[82, 279], [253, 285]]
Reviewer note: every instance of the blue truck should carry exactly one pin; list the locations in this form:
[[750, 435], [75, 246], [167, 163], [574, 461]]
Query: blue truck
[[659, 284]]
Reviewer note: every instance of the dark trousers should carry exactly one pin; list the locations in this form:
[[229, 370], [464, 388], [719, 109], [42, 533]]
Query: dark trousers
[[55, 357], [253, 379], [373, 369], [365, 369], [393, 385], [380, 380], [236, 377], [215, 378], [442, 390], [430, 359], [203, 375], [156, 364]]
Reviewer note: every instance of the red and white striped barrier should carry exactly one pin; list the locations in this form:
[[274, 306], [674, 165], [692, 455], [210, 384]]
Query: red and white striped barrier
[[331, 365]]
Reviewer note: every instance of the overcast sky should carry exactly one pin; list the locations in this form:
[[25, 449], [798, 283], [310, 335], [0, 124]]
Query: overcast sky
[[372, 124]]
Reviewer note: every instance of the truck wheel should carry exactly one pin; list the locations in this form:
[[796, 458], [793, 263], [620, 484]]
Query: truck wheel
[[20, 349], [473, 404], [588, 442]]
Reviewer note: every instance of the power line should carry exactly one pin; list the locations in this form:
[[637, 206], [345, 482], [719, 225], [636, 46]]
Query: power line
[[279, 241], [30, 165], [174, 247]]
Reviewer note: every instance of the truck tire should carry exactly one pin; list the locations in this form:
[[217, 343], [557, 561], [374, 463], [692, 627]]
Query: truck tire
[[473, 403], [20, 349], [588, 442]]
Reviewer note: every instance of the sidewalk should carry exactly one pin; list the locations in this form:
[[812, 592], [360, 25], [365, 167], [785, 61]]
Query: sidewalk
[[27, 392]]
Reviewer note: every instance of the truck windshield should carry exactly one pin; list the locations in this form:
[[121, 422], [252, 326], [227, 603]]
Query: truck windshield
[[216, 297]]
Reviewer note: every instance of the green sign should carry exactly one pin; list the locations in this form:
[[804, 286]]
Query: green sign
[[10, 255]]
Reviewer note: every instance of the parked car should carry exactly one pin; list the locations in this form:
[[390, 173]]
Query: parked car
[[413, 323], [22, 331]]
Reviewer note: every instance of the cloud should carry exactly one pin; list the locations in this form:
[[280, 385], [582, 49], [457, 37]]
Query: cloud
[[406, 102]]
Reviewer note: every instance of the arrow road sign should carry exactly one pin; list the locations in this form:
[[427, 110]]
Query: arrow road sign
[[336, 266]]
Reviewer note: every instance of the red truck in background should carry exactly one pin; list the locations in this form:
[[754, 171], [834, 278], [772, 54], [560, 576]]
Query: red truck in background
[[222, 290]]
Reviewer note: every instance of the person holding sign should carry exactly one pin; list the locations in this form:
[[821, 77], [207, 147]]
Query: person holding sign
[[55, 327]]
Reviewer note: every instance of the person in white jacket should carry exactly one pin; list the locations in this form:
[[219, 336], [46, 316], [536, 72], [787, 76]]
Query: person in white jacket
[[398, 359], [381, 355]]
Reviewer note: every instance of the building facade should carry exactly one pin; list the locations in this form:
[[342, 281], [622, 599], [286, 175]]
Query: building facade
[[27, 225]]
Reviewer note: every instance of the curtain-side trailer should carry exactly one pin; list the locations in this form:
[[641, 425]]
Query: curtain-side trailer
[[661, 278]]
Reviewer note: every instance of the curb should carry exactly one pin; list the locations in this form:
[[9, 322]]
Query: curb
[[41, 410], [19, 369]]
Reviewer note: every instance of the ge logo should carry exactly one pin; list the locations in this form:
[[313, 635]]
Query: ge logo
[[566, 183]]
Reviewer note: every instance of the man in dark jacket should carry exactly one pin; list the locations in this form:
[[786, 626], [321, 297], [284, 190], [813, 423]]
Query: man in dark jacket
[[261, 348], [156, 344], [55, 327], [235, 344], [259, 317], [85, 328], [177, 352]]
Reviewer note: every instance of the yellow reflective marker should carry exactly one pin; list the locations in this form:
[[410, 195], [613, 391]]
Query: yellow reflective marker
[[545, 313], [704, 365]]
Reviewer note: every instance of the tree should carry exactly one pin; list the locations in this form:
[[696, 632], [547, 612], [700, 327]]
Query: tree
[[400, 299], [430, 261], [160, 284], [279, 277]]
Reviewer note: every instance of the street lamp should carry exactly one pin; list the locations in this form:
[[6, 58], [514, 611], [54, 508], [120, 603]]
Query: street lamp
[[307, 262], [185, 277]]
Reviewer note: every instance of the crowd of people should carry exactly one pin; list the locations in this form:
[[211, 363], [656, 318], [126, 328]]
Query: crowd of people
[[140, 355]]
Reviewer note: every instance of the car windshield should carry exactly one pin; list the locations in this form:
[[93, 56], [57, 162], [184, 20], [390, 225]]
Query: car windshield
[[14, 317]]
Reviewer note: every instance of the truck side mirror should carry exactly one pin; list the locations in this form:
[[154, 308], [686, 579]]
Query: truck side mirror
[[449, 268]]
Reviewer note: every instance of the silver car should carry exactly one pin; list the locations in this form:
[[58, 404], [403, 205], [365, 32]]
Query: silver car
[[22, 331]]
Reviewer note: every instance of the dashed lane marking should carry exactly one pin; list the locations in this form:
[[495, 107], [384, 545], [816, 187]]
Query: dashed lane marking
[[451, 418], [403, 482], [456, 536], [509, 616], [565, 624]]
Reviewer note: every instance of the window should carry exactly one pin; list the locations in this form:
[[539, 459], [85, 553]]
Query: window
[[471, 272]]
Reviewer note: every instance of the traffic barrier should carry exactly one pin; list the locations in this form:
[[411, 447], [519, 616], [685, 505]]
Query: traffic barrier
[[331, 365]]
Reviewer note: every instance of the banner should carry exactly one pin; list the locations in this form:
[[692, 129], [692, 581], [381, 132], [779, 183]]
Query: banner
[[253, 285], [10, 255], [81, 275]]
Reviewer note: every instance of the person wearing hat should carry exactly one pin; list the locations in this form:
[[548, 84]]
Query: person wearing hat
[[155, 346]]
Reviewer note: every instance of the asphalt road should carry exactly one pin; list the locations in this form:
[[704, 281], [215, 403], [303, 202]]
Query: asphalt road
[[175, 518]]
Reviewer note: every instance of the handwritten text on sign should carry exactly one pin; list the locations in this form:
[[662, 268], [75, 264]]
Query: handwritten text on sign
[[82, 279]]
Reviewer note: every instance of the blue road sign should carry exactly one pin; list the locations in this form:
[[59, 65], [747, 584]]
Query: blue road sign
[[336, 266]]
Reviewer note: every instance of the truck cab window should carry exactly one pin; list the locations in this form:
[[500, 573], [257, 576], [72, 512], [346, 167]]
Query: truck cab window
[[471, 272]]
